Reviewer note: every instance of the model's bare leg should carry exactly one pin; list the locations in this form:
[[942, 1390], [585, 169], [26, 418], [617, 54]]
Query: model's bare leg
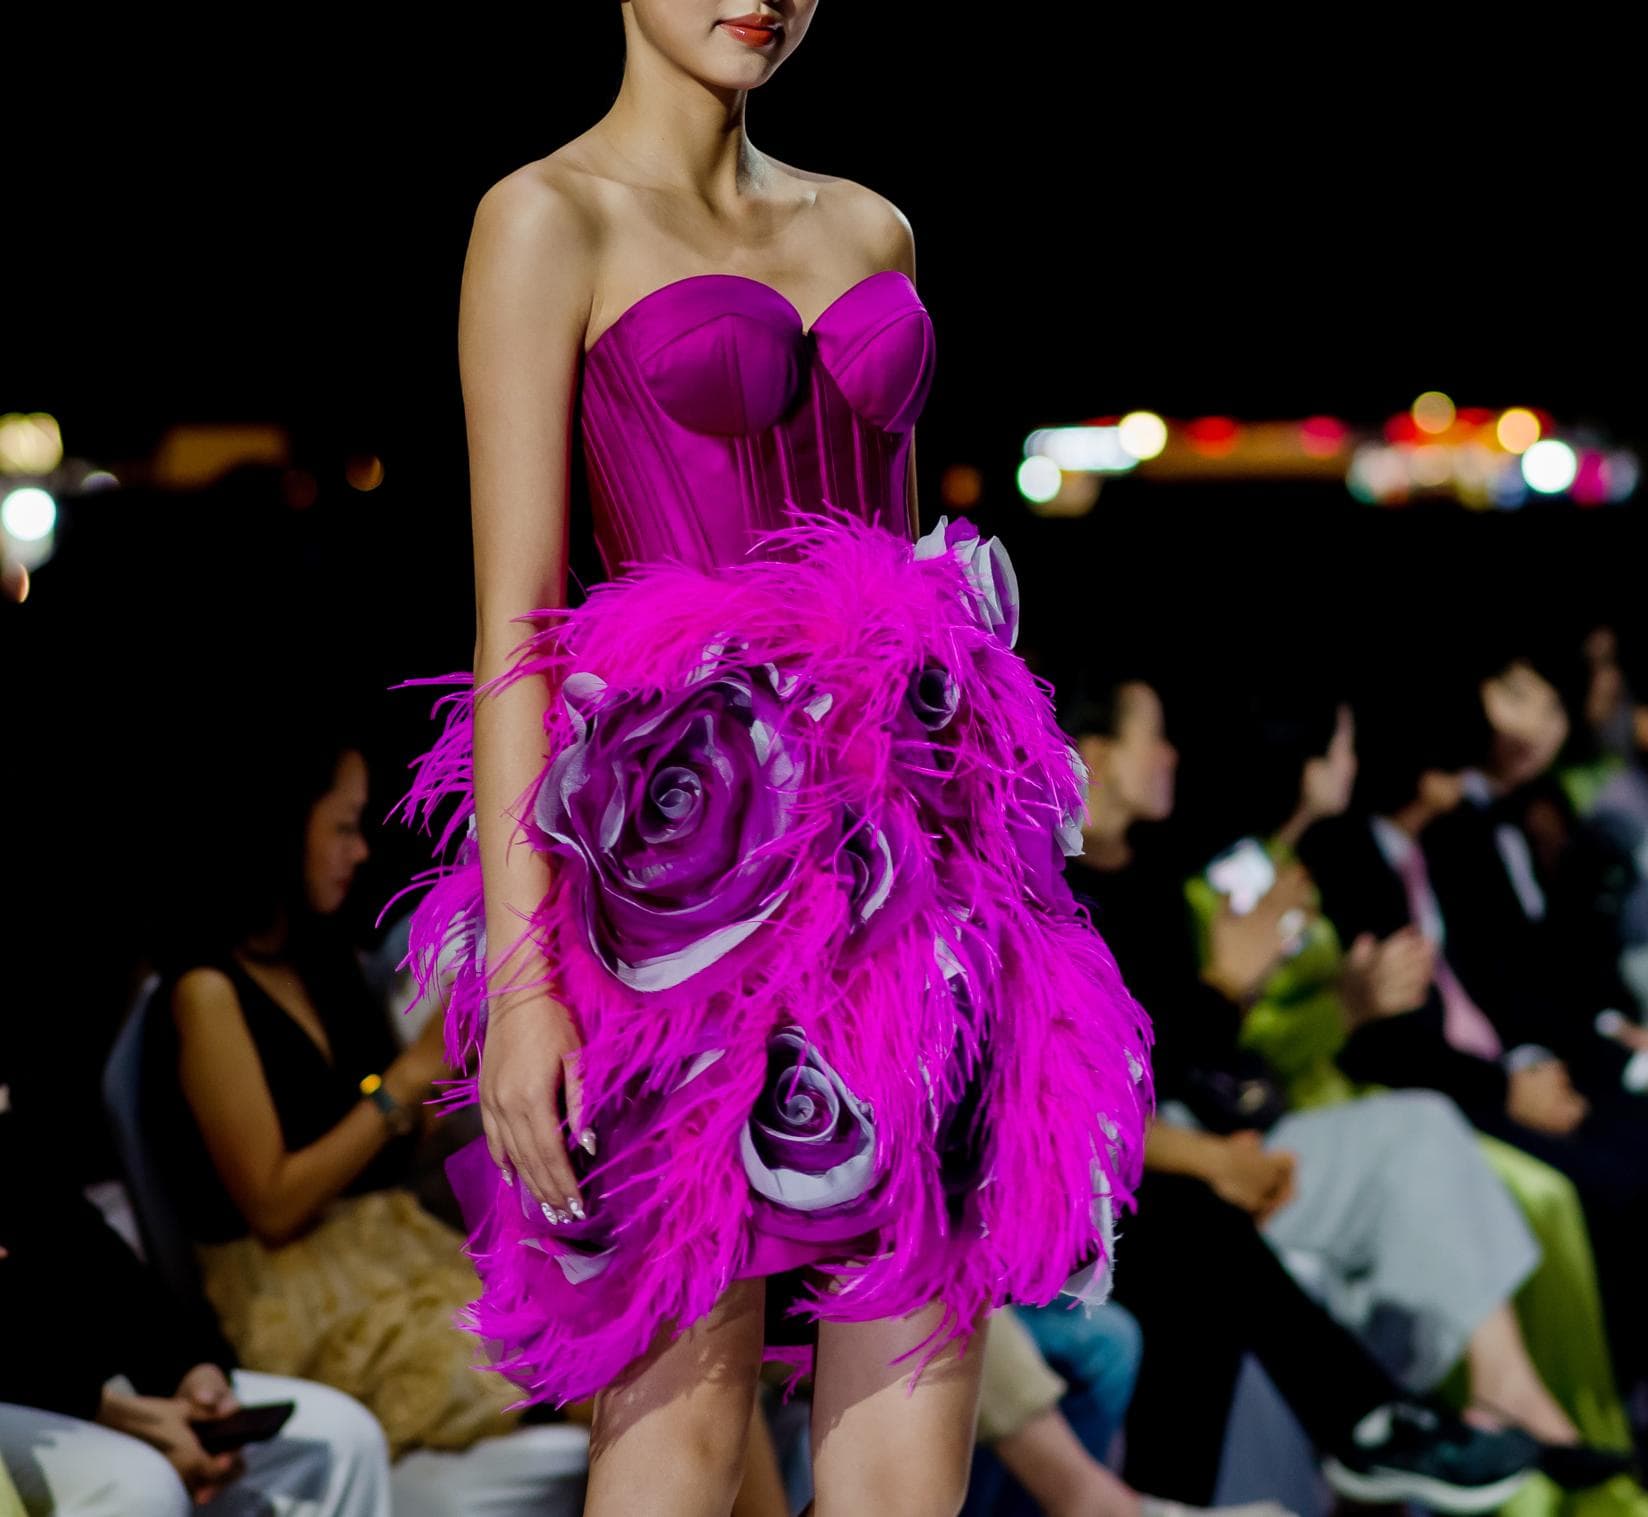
[[878, 1446], [762, 1491], [668, 1438]]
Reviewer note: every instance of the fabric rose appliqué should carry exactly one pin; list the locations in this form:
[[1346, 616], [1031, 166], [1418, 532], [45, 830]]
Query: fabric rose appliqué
[[809, 1143], [673, 805], [991, 581], [885, 872]]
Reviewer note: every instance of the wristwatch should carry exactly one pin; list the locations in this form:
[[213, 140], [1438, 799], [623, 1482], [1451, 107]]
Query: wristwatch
[[399, 1118]]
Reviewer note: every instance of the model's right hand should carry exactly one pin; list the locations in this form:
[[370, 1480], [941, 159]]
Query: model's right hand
[[531, 1052]]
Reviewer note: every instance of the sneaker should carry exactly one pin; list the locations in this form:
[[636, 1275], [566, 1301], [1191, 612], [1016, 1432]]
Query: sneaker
[[1578, 1466], [1406, 1452]]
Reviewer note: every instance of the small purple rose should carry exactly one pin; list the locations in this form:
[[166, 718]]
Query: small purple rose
[[809, 1144], [926, 735], [992, 584], [933, 696], [670, 805], [882, 872]]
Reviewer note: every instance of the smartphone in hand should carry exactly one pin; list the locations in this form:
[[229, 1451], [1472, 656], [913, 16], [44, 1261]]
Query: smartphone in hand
[[251, 1424]]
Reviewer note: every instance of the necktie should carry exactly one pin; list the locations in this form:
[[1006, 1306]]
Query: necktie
[[1464, 1023]]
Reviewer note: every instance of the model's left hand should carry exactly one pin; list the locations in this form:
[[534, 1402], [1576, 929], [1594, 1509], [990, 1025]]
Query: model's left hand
[[206, 1388]]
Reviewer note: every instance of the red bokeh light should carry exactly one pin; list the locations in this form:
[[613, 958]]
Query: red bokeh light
[[1322, 436], [1213, 435]]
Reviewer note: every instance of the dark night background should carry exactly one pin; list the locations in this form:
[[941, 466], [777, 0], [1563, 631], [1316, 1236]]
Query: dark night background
[[1254, 218]]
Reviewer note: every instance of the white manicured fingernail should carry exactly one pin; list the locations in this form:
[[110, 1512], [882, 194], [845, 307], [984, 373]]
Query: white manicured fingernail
[[576, 1207], [587, 1141], [508, 1174], [549, 1212]]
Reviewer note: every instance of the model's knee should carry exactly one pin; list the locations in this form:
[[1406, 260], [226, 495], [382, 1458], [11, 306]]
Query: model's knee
[[695, 1449], [912, 1487]]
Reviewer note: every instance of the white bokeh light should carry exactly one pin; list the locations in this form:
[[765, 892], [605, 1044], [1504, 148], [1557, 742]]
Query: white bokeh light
[[1039, 479], [1549, 466], [28, 514], [1143, 434]]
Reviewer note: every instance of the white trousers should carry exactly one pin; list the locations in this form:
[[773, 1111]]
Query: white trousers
[[330, 1460]]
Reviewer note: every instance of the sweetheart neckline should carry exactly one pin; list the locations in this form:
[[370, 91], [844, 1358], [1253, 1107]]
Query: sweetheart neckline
[[806, 331]]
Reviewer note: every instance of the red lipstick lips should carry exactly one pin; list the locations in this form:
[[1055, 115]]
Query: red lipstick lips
[[753, 30]]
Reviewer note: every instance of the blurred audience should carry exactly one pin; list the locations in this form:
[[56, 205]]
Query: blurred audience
[[1384, 1205], [1023, 1423], [80, 1310], [1499, 1029]]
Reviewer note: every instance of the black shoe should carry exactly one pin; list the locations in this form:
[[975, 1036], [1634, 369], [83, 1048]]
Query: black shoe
[[1578, 1466], [1407, 1452]]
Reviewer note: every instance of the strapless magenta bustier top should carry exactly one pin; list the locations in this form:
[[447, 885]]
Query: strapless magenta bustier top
[[708, 407]]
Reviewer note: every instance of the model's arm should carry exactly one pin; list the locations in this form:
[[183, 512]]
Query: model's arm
[[279, 1192], [524, 308]]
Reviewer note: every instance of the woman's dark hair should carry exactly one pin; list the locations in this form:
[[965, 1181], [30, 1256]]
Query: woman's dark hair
[[1091, 703], [261, 774]]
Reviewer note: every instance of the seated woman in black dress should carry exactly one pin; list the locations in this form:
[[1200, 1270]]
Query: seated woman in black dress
[[292, 1145]]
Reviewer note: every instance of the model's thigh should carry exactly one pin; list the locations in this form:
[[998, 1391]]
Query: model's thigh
[[878, 1444], [69, 1468], [668, 1436]]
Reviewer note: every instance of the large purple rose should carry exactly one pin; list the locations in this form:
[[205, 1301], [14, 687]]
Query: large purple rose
[[809, 1144], [670, 805], [993, 586]]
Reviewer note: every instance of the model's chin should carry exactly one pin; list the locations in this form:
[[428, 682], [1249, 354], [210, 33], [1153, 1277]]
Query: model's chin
[[755, 72]]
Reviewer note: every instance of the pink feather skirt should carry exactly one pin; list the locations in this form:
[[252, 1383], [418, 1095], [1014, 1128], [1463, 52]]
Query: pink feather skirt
[[840, 1014]]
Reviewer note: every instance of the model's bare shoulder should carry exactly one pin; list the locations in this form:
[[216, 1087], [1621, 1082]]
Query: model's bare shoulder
[[532, 245], [874, 222]]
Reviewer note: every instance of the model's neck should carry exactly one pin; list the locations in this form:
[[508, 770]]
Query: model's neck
[[673, 130]]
